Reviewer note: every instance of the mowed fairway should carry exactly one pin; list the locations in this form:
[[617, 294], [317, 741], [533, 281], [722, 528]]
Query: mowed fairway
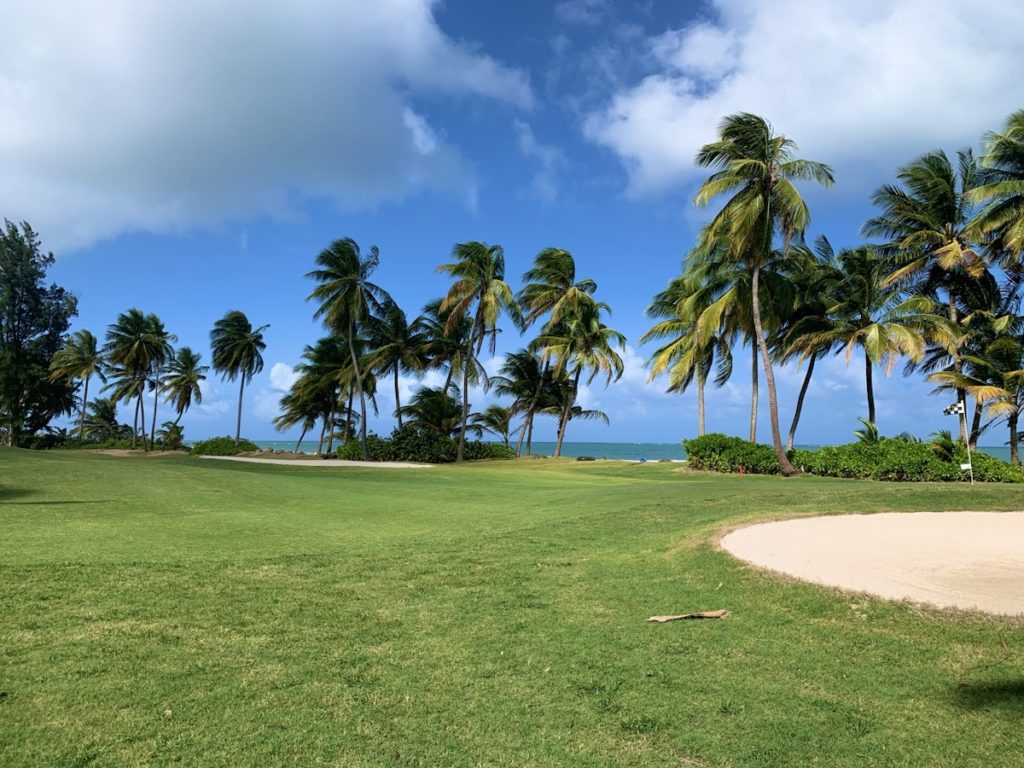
[[171, 611]]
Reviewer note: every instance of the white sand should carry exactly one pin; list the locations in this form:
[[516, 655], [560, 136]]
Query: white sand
[[325, 463], [972, 560]]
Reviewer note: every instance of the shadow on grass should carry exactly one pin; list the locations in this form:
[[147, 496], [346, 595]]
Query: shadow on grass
[[1004, 693], [7, 493]]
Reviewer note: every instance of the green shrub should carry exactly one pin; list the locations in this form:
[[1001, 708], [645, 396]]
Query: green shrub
[[895, 459], [422, 446], [222, 446], [721, 453]]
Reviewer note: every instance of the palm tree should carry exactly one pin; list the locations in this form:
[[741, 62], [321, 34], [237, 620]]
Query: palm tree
[[1002, 186], [926, 223], [551, 288], [446, 339], [136, 345], [171, 435], [101, 420], [479, 290], [347, 300], [237, 353], [162, 351], [181, 385], [580, 342], [297, 407], [434, 410], [497, 420], [864, 313], [80, 359], [522, 376], [757, 169], [395, 346], [686, 355]]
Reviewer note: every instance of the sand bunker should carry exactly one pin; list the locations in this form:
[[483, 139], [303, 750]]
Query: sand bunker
[[325, 463], [972, 560]]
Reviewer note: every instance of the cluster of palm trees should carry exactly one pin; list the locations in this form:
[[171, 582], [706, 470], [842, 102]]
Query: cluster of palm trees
[[138, 358], [940, 289], [370, 338]]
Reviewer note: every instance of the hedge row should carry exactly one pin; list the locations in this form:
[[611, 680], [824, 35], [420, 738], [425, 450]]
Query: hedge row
[[891, 458], [411, 444]]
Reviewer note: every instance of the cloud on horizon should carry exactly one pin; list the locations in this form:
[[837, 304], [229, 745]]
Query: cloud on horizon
[[130, 116]]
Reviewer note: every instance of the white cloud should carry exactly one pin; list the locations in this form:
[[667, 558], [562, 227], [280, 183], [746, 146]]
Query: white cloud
[[124, 116], [549, 158], [282, 376], [864, 86]]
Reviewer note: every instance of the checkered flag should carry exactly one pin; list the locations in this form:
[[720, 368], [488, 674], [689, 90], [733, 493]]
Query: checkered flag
[[957, 407]]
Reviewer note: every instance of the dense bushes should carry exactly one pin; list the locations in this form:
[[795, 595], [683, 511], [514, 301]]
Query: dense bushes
[[721, 453], [427, 447], [222, 446], [890, 458]]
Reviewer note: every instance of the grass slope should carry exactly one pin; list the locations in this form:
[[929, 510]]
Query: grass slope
[[171, 611]]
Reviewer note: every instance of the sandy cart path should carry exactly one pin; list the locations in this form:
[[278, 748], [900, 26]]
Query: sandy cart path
[[324, 463], [972, 560]]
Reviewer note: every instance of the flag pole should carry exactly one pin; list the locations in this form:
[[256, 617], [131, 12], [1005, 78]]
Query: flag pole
[[970, 462]]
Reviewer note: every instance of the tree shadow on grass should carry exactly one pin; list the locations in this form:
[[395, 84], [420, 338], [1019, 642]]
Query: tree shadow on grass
[[7, 493], [1007, 694]]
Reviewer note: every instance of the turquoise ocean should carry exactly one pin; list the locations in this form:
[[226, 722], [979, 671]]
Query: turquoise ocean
[[621, 451]]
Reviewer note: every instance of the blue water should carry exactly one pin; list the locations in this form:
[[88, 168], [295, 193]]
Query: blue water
[[623, 451]]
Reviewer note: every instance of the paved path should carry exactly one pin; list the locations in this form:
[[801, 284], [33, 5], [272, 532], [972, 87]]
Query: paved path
[[325, 463], [971, 560]]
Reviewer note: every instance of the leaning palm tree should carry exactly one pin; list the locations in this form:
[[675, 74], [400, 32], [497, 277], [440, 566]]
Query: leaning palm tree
[[1001, 187], [497, 420], [580, 343], [926, 226], [479, 290], [757, 169], [182, 384], [298, 407], [445, 342], [347, 299], [79, 359], [522, 376], [865, 314], [237, 353], [395, 346], [101, 420]]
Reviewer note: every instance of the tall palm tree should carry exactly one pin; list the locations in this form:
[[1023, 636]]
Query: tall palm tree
[[395, 345], [237, 353], [522, 376], [551, 289], [80, 358], [136, 344], [579, 343], [926, 225], [347, 300], [864, 313], [757, 169], [479, 290], [1001, 186], [162, 352], [687, 356], [182, 384]]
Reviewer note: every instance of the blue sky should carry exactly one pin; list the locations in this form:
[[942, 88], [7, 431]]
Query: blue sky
[[193, 158]]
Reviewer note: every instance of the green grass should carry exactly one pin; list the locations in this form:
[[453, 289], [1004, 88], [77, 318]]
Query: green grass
[[174, 611]]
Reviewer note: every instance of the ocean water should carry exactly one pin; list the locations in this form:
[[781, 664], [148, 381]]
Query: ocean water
[[621, 451]]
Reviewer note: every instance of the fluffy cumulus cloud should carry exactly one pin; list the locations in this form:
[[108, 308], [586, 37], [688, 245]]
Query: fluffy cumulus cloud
[[863, 85], [125, 116]]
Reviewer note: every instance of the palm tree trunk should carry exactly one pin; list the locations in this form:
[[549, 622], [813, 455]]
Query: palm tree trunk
[[870, 387], [976, 425], [773, 404], [135, 424], [448, 378], [398, 404], [800, 403], [1014, 439], [753, 392], [958, 366], [156, 400], [522, 434], [348, 417], [142, 416], [81, 421], [459, 454], [238, 421], [566, 411], [700, 403], [323, 434], [329, 426], [362, 395], [305, 429]]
